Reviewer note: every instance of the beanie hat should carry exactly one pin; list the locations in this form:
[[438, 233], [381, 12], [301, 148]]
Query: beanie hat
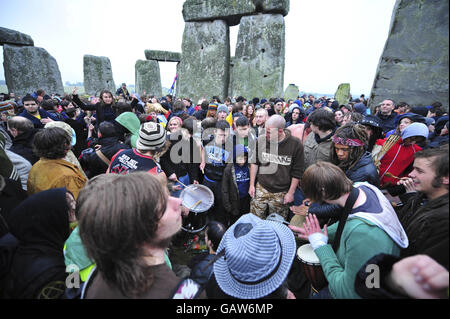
[[222, 108], [151, 137], [212, 106], [415, 129], [360, 108]]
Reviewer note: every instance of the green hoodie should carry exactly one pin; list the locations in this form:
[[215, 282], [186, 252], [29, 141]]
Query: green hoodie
[[131, 122]]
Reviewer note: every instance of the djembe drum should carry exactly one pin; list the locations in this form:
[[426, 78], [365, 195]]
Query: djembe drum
[[311, 266]]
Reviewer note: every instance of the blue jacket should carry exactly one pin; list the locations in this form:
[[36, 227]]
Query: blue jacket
[[364, 171], [36, 122]]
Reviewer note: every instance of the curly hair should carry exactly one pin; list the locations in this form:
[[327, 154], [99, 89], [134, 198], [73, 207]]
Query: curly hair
[[51, 143], [351, 131]]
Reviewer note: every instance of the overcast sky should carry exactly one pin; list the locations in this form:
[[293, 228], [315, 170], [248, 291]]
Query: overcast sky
[[328, 42]]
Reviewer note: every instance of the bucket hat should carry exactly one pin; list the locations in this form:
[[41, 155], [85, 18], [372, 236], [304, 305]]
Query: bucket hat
[[258, 255]]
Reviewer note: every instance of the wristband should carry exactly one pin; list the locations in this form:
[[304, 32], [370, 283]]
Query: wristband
[[317, 240]]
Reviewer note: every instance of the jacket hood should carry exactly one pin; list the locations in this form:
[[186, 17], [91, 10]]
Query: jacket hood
[[130, 121]]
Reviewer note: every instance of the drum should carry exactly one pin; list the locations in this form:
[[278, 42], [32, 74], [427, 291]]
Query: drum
[[198, 199], [311, 266]]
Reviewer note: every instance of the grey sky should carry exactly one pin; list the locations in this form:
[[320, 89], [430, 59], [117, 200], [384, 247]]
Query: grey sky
[[328, 42]]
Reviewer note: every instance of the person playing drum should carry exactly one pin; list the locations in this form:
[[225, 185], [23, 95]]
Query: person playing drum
[[368, 225]]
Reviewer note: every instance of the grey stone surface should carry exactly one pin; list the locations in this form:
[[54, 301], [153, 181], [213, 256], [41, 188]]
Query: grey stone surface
[[342, 94], [205, 61], [8, 36], [30, 68], [258, 69], [231, 10], [97, 74], [291, 92], [414, 64], [148, 77], [163, 56]]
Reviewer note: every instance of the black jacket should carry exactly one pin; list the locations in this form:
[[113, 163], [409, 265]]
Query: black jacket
[[92, 164], [426, 224], [387, 121], [22, 144], [364, 171], [41, 226], [230, 192], [189, 162], [99, 109], [81, 133], [200, 114]]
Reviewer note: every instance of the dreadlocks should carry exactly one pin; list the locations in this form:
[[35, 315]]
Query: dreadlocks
[[357, 140]]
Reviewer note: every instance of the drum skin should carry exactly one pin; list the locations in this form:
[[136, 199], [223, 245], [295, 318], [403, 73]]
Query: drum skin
[[311, 266], [199, 199]]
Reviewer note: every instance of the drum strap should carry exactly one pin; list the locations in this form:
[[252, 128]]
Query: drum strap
[[343, 219]]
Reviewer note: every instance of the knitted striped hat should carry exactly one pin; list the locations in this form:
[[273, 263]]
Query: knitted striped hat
[[213, 106], [151, 137]]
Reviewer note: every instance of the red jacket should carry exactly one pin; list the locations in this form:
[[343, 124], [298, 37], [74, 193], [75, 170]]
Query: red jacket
[[396, 161]]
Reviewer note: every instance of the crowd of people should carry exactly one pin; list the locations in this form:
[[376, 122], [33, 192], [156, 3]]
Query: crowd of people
[[97, 183]]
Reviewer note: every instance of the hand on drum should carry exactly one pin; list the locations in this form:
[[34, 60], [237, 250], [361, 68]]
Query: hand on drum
[[302, 209], [311, 226]]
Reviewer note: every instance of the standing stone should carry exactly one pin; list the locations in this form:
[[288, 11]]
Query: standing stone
[[148, 77], [205, 60], [414, 64], [258, 69], [291, 92], [30, 68], [231, 11], [97, 75], [8, 36], [343, 93]]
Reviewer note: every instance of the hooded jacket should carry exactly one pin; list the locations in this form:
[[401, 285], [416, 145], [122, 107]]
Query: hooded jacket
[[41, 225], [131, 123]]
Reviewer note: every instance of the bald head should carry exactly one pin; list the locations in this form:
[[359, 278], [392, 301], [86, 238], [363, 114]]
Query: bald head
[[276, 121], [19, 124]]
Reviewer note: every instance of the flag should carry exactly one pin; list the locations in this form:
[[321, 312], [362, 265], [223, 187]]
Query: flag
[[173, 84]]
